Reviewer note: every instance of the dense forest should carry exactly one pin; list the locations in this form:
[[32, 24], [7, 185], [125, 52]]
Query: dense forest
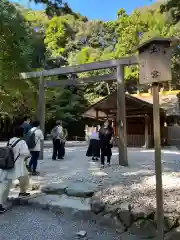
[[30, 40]]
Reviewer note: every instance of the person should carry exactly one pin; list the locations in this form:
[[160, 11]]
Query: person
[[26, 125], [19, 171], [94, 147], [58, 143], [106, 134], [36, 150]]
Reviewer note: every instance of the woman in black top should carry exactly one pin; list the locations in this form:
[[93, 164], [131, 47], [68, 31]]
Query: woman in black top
[[106, 134]]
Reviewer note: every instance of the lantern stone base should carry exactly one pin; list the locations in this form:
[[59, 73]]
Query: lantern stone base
[[138, 219]]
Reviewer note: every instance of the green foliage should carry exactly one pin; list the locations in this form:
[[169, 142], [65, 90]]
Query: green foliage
[[58, 32], [96, 34], [137, 28], [15, 42], [66, 105], [173, 8], [28, 36], [55, 7], [17, 48], [37, 19]]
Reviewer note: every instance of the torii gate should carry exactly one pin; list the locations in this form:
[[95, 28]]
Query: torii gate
[[119, 76], [155, 67]]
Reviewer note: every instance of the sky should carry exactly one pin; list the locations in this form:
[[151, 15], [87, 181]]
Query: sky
[[97, 9]]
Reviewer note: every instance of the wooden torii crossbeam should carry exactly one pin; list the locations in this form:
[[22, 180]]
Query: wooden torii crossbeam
[[132, 60], [78, 81], [118, 65]]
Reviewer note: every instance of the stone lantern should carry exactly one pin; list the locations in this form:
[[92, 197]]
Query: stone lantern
[[155, 68], [155, 61]]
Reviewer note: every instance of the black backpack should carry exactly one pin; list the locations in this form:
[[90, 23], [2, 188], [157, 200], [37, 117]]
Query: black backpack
[[7, 160], [30, 139]]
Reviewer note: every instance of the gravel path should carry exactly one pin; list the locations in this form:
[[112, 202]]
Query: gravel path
[[135, 183], [25, 223]]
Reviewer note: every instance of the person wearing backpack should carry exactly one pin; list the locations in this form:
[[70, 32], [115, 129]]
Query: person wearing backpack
[[12, 166], [57, 138], [33, 140]]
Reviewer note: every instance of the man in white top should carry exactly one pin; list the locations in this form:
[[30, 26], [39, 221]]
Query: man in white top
[[36, 150], [58, 141]]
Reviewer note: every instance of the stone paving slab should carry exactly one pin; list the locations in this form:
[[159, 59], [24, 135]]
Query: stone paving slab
[[54, 188], [75, 189], [57, 203], [81, 189], [62, 202]]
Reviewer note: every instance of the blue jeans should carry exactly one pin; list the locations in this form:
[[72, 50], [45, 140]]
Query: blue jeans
[[34, 160]]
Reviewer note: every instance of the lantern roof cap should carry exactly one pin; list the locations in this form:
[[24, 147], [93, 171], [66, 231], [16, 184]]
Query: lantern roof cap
[[154, 40]]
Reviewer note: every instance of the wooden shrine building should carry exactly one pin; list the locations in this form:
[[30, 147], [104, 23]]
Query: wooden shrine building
[[139, 119]]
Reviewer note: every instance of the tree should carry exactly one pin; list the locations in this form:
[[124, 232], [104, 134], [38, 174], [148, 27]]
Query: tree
[[15, 41], [94, 41], [130, 27], [173, 8], [55, 7], [66, 105], [96, 34], [17, 48], [137, 28], [58, 33]]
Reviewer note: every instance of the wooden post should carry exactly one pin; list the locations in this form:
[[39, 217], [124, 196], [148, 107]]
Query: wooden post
[[114, 128], [121, 117], [158, 166], [107, 116], [146, 132], [97, 114], [41, 112]]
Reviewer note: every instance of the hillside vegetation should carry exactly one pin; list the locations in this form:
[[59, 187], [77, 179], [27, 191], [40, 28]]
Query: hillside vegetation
[[29, 37]]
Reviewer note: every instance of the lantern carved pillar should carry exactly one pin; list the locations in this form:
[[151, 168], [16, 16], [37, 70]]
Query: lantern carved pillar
[[154, 69]]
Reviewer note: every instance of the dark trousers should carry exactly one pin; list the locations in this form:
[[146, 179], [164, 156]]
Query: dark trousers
[[58, 149], [106, 152], [34, 160]]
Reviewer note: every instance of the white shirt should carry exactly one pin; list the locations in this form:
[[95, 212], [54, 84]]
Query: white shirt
[[20, 148], [38, 137], [94, 135], [60, 132], [19, 168]]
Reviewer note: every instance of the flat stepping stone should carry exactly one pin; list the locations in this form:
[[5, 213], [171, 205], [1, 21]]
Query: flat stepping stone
[[83, 190], [16, 200], [54, 188], [61, 203]]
